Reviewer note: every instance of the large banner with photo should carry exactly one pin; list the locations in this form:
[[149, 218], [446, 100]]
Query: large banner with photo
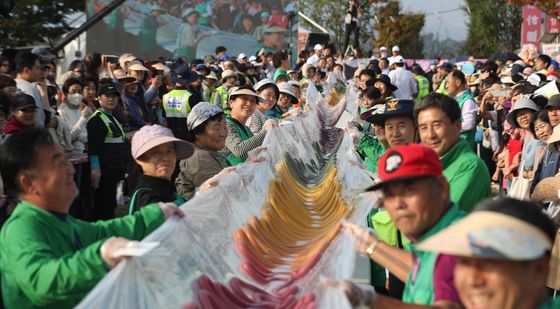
[[193, 28]]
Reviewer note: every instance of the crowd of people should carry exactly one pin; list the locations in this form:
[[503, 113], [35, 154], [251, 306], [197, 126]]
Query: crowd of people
[[146, 133]]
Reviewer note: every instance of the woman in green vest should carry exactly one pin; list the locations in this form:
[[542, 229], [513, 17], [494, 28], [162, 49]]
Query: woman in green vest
[[156, 151], [240, 141]]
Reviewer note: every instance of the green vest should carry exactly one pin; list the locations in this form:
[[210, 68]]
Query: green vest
[[223, 93], [419, 288], [176, 103], [442, 87], [469, 136], [245, 135], [423, 87]]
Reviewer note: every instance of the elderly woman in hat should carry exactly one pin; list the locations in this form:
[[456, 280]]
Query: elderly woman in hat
[[520, 117], [240, 140], [269, 93], [156, 151], [207, 131], [549, 161], [286, 99], [189, 35]]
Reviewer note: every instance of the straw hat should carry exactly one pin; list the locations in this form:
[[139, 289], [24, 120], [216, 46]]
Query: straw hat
[[546, 190]]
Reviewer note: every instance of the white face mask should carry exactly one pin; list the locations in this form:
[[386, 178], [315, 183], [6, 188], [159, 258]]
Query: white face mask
[[75, 99]]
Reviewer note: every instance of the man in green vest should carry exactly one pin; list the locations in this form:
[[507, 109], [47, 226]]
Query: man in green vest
[[179, 101], [457, 89], [422, 83], [438, 118], [416, 195], [396, 121], [220, 96], [504, 259], [48, 259], [443, 70]]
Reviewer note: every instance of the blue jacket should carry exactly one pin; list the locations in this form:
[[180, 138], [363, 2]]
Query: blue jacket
[[549, 166], [136, 119]]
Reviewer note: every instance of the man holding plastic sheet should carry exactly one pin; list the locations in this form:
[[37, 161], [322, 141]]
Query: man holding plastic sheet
[[48, 259], [503, 251], [416, 195]]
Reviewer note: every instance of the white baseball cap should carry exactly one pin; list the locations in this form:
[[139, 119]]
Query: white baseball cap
[[241, 56], [382, 48], [318, 47], [396, 48], [397, 59]]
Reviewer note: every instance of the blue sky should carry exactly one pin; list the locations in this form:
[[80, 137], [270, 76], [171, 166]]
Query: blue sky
[[446, 25]]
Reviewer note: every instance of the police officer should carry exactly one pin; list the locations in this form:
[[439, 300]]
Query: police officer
[[422, 83], [179, 102], [107, 152]]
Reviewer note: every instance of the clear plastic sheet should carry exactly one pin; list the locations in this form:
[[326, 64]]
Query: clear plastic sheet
[[202, 242]]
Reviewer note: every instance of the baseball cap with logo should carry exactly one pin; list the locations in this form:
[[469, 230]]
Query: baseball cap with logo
[[407, 162], [22, 101], [151, 136], [393, 107], [108, 88]]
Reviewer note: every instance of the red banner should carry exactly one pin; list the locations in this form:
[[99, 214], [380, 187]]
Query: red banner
[[531, 28], [552, 24]]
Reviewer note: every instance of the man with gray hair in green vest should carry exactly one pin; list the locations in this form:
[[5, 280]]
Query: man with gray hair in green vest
[[416, 195]]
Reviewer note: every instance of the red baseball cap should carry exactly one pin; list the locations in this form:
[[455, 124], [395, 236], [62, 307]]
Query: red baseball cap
[[407, 162]]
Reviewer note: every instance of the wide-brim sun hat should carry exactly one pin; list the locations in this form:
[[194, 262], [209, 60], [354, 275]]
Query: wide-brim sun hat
[[237, 91], [200, 113], [267, 82], [212, 75], [227, 74], [137, 66], [288, 89], [187, 12], [490, 235], [387, 81], [151, 136], [524, 103], [122, 77], [553, 139]]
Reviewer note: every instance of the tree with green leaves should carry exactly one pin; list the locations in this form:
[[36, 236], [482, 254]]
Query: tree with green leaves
[[396, 28], [37, 21], [494, 26], [550, 7]]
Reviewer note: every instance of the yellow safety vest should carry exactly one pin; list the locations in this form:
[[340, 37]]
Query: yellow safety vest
[[176, 103], [110, 138], [223, 93]]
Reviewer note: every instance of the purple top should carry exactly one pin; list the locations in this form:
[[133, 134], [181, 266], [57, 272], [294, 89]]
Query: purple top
[[444, 288]]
